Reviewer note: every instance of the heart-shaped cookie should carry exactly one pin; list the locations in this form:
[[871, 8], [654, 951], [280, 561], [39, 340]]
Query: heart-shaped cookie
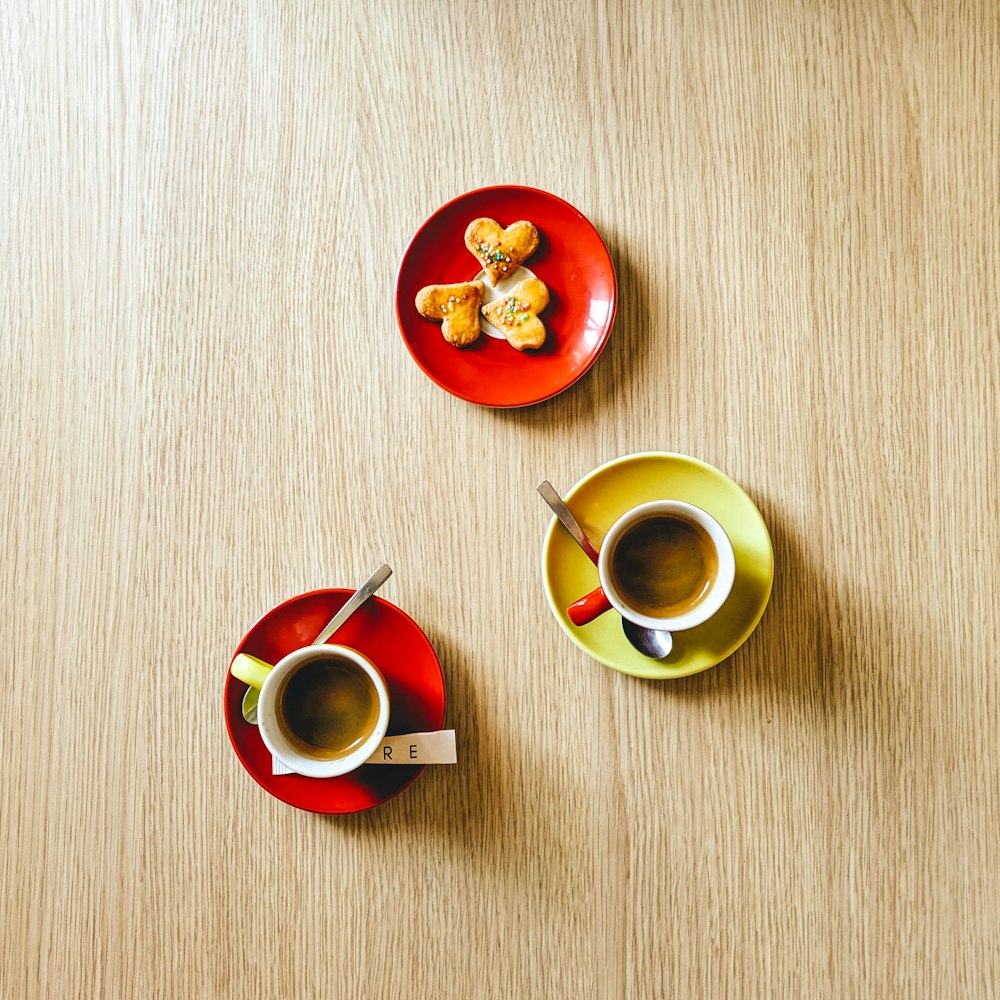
[[501, 251], [516, 314], [456, 307]]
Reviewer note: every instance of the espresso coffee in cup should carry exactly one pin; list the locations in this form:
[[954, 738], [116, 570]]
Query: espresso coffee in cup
[[664, 565], [327, 708]]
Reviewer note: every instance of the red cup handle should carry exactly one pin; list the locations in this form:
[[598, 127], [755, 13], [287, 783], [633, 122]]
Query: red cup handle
[[585, 610]]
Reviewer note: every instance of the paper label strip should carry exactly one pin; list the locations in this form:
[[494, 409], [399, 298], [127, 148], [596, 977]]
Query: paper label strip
[[411, 748]]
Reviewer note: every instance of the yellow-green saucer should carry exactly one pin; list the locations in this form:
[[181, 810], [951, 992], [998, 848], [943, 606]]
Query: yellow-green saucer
[[599, 499]]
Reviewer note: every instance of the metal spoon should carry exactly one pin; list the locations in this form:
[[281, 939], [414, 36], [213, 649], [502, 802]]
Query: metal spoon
[[651, 642], [350, 606], [655, 643]]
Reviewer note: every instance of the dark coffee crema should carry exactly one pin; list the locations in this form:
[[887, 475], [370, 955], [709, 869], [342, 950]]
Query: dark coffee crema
[[664, 566], [327, 708]]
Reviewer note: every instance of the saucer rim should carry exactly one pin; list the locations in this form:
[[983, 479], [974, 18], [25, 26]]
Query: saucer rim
[[598, 347], [655, 670]]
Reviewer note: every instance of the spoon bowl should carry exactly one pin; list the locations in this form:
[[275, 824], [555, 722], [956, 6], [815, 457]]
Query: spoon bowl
[[651, 642]]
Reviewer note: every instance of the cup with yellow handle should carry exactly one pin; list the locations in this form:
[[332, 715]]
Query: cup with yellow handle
[[323, 710]]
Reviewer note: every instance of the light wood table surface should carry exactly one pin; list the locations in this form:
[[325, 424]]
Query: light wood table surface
[[207, 408]]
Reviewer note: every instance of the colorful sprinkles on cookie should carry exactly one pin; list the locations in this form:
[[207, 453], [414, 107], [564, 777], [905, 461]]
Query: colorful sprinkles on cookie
[[514, 311], [496, 254], [454, 302]]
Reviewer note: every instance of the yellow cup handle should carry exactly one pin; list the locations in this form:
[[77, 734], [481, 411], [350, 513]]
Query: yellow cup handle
[[250, 670]]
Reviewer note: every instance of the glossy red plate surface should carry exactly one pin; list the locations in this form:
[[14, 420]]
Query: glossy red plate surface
[[571, 259], [394, 643]]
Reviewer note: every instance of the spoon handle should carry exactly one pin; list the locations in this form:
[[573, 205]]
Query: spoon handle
[[568, 521], [589, 607], [354, 602]]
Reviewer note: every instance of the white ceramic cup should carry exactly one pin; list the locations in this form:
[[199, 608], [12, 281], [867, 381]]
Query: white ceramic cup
[[267, 712], [717, 592]]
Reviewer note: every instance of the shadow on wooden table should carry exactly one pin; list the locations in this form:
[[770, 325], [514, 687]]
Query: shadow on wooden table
[[621, 361], [808, 633], [477, 807]]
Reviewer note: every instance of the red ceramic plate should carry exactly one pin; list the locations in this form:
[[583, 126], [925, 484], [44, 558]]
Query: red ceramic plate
[[571, 259], [393, 641]]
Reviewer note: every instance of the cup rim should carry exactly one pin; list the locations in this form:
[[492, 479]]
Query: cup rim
[[275, 741], [717, 595]]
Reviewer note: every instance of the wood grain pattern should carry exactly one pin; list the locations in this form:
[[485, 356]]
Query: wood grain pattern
[[207, 408]]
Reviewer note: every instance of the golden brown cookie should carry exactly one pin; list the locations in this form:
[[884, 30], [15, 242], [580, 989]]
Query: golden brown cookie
[[515, 315], [501, 251], [456, 306]]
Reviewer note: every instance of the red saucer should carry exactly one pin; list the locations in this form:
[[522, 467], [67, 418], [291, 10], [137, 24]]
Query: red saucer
[[571, 259], [393, 641]]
